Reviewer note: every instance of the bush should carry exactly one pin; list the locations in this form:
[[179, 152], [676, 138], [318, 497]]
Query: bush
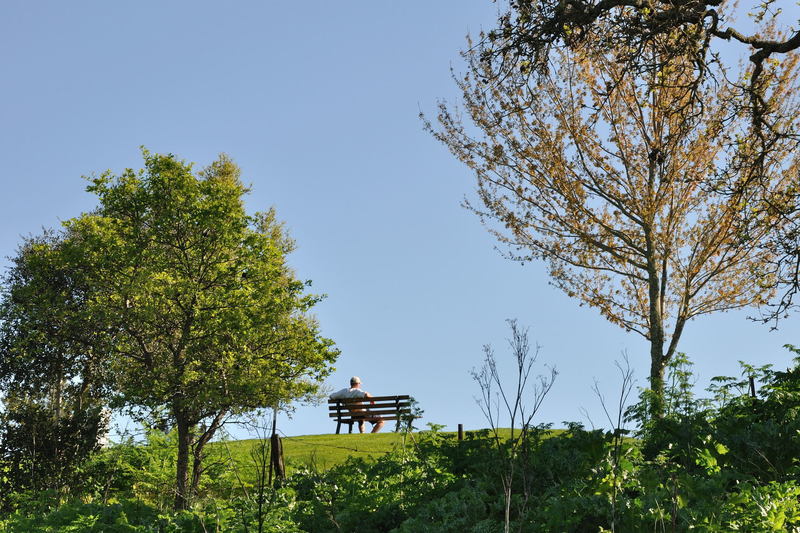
[[40, 453], [725, 464]]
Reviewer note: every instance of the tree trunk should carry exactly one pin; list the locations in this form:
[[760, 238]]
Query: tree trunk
[[656, 337], [656, 381], [182, 469], [276, 458], [197, 465], [197, 468]]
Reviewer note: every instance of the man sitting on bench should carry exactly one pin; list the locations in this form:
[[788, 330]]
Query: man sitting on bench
[[355, 392]]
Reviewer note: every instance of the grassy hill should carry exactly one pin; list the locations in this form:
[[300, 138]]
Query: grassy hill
[[324, 451]]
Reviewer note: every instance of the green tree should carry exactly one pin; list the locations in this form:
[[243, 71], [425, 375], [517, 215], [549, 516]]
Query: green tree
[[48, 342], [207, 320], [52, 379]]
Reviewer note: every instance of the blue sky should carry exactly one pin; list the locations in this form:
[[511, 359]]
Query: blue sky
[[318, 103]]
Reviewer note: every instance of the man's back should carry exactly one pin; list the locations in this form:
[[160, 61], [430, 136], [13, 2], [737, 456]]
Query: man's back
[[351, 392]]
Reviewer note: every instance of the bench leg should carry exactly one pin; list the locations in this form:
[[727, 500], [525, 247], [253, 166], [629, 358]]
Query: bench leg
[[350, 425], [338, 426]]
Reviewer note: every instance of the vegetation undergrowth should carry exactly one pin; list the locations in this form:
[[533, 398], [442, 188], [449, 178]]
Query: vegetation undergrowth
[[724, 463]]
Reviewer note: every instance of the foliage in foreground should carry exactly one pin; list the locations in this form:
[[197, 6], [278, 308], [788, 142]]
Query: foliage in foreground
[[724, 464], [167, 299]]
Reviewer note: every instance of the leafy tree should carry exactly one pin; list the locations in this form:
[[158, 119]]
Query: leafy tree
[[43, 453], [205, 319], [53, 380], [48, 342], [625, 192]]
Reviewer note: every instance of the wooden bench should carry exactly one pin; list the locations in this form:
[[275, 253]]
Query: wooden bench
[[353, 410]]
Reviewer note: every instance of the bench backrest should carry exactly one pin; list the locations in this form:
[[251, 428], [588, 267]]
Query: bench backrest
[[387, 407], [351, 410]]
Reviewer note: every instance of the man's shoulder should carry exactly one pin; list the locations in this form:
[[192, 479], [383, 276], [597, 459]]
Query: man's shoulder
[[348, 393], [339, 394]]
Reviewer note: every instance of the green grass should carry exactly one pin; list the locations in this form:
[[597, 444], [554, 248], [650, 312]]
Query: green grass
[[324, 451]]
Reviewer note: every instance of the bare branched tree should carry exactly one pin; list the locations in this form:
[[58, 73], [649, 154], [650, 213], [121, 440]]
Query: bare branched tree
[[616, 421], [649, 198], [519, 403], [712, 35], [529, 32]]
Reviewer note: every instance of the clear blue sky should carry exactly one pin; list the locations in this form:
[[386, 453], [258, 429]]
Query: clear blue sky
[[318, 103]]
